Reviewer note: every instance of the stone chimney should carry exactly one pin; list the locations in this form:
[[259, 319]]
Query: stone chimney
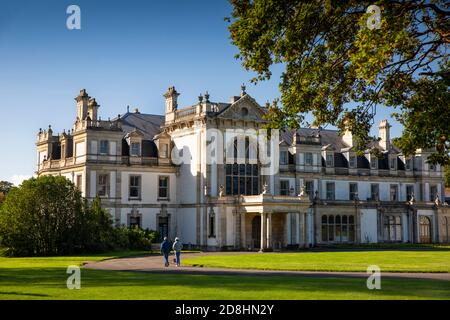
[[93, 109], [82, 104], [383, 134], [347, 137], [171, 99]]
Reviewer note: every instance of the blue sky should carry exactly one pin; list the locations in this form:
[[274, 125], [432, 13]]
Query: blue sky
[[126, 53]]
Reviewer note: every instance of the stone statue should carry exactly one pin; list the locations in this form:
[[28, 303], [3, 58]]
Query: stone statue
[[412, 200], [221, 191], [265, 188], [437, 201], [302, 192]]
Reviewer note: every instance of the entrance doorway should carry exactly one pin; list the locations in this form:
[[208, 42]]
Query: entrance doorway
[[256, 232], [425, 230]]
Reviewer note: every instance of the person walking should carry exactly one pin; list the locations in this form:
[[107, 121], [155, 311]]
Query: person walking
[[165, 250], [177, 247]]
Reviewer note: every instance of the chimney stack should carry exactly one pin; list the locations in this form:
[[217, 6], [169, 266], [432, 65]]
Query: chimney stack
[[171, 99], [383, 134]]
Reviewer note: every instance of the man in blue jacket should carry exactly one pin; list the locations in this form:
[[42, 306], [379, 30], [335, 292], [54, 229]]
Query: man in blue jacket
[[165, 250]]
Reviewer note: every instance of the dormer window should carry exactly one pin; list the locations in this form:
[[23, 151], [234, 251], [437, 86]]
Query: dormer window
[[373, 163], [135, 149], [352, 161], [329, 159], [408, 164], [284, 158], [103, 146], [393, 163]]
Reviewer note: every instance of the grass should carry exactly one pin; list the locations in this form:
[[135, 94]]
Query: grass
[[387, 260], [45, 278]]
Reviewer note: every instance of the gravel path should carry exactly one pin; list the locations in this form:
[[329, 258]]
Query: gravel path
[[154, 264]]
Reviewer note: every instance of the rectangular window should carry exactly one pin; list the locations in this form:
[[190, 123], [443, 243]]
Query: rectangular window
[[309, 189], [163, 187], [375, 191], [79, 182], [284, 159], [284, 187], [433, 192], [135, 221], [393, 163], [392, 228], [329, 160], [242, 179], [135, 187], [104, 147], [352, 162], [353, 191], [308, 159], [102, 185], [330, 190], [135, 149], [409, 192], [394, 192]]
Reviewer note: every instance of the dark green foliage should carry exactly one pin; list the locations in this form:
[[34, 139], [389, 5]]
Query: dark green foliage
[[47, 216], [332, 58], [5, 187]]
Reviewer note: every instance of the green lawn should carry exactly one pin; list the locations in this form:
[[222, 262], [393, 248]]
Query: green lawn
[[45, 278], [387, 260]]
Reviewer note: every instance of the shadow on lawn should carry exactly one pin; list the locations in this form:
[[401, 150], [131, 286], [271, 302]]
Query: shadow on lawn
[[286, 287]]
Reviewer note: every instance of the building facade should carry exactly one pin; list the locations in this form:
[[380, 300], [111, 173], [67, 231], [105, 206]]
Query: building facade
[[160, 172]]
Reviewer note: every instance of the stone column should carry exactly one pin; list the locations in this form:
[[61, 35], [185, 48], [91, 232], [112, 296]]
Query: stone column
[[263, 232], [269, 231], [243, 232], [298, 227]]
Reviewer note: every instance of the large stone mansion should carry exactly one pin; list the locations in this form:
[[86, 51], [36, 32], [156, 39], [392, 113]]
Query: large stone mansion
[[322, 193]]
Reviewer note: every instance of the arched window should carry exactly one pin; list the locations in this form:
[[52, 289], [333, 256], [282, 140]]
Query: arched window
[[425, 229]]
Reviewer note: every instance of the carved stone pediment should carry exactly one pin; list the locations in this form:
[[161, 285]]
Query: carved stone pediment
[[246, 108]]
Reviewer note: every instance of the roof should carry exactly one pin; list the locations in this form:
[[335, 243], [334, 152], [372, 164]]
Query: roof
[[148, 124]]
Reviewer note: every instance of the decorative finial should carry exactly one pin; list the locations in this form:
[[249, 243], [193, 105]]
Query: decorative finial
[[243, 93], [206, 96], [200, 98], [221, 191], [128, 109]]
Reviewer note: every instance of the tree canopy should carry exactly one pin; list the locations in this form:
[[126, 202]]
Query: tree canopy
[[340, 69], [5, 187]]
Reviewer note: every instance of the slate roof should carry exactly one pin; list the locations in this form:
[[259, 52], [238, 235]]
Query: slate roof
[[148, 124]]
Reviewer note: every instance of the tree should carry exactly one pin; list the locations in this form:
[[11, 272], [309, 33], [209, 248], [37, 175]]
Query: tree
[[42, 217], [447, 176], [5, 187], [331, 58]]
